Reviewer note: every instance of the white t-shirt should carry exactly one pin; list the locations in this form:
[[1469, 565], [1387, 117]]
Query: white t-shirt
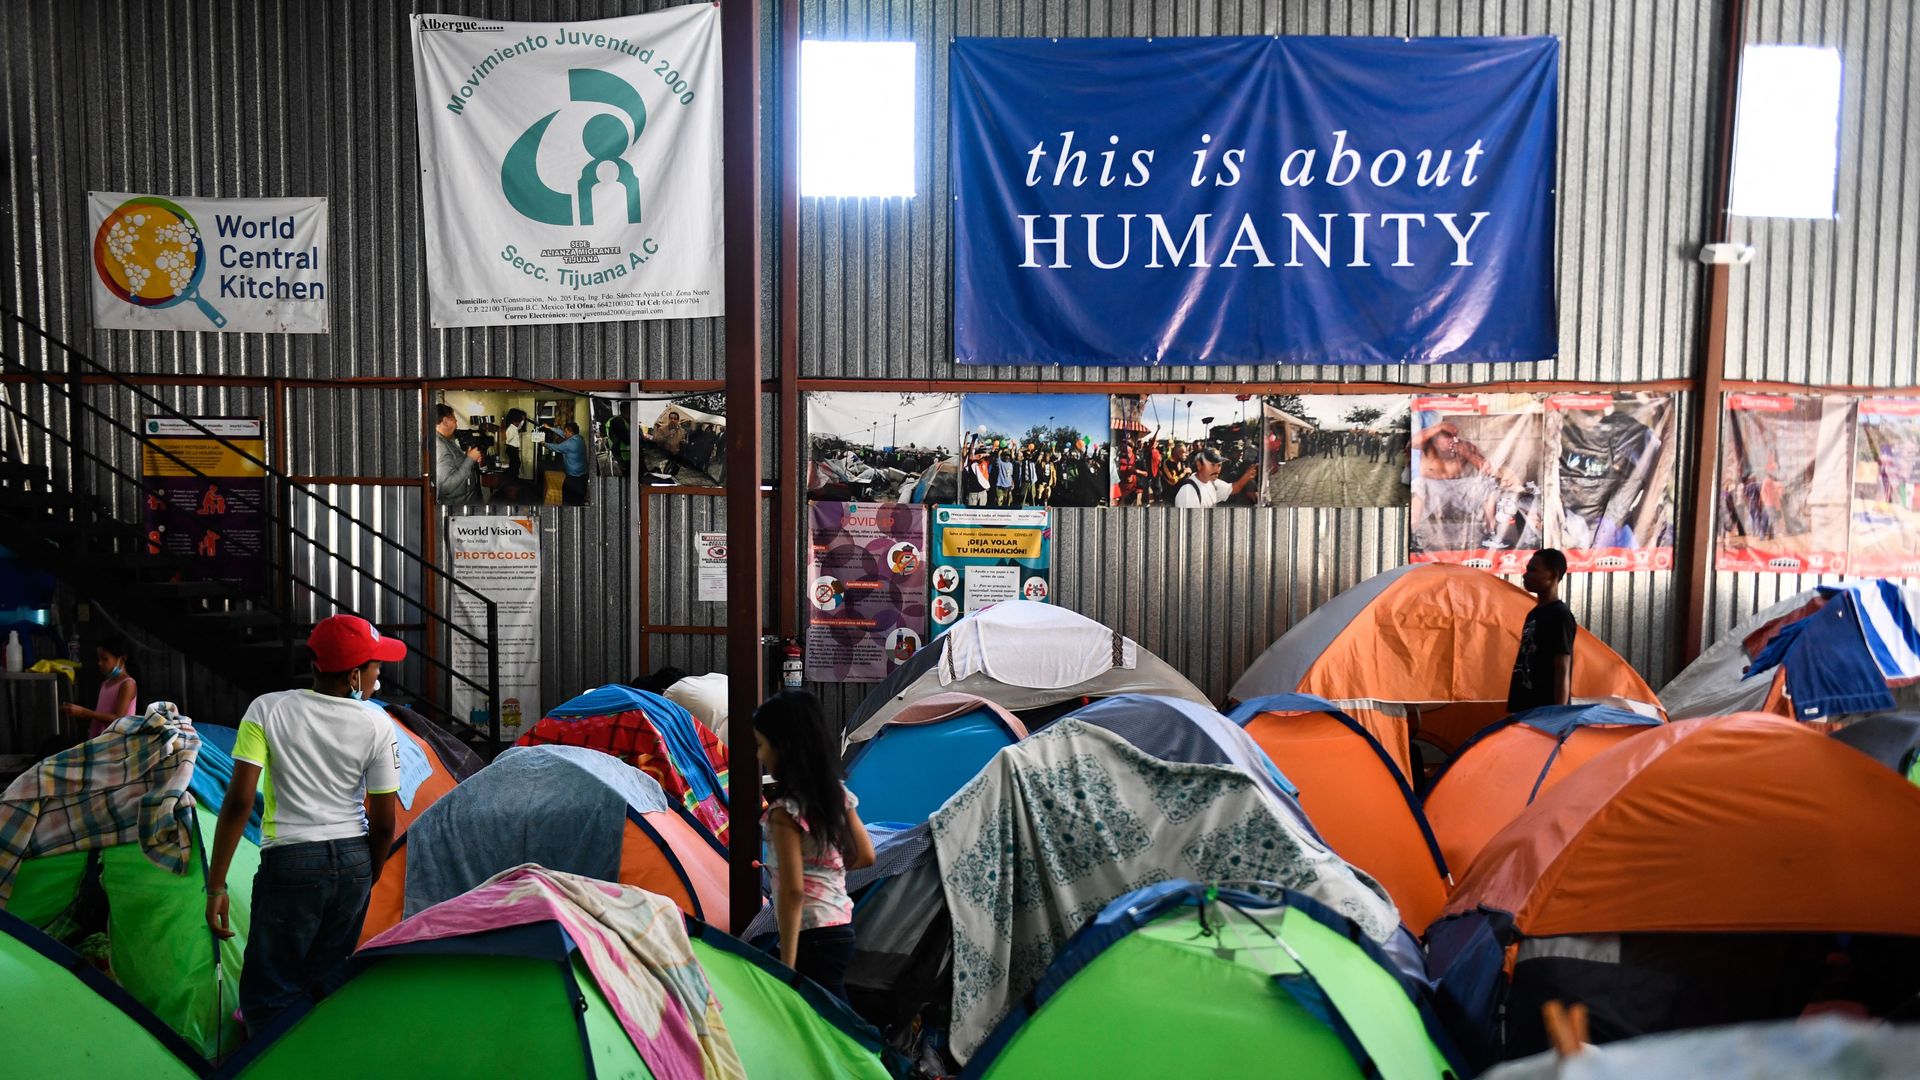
[[1194, 495], [517, 437], [319, 757]]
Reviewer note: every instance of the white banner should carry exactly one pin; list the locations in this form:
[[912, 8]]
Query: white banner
[[499, 558], [240, 265], [570, 172]]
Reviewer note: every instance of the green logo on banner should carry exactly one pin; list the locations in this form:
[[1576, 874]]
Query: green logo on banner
[[604, 139]]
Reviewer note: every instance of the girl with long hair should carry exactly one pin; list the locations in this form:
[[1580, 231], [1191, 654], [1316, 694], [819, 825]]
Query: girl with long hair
[[813, 837], [119, 695]]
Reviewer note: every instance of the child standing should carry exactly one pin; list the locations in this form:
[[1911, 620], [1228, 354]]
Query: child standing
[[813, 837], [119, 696]]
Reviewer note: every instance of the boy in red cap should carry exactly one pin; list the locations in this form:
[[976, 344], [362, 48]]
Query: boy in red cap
[[315, 755]]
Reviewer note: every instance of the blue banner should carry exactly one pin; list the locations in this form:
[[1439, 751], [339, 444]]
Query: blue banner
[[1254, 200]]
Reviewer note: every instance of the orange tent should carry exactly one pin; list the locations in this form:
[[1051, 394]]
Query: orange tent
[[494, 819], [1428, 648], [1500, 771], [1356, 795], [1746, 823]]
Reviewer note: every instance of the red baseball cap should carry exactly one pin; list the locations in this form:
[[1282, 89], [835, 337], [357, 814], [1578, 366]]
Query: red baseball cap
[[345, 642]]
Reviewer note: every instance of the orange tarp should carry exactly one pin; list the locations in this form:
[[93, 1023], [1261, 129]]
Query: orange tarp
[[1353, 798], [1450, 634], [1488, 785], [1747, 823]]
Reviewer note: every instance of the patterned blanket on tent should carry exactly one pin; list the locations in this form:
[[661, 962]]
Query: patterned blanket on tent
[[651, 734], [635, 944], [1059, 825], [129, 784]]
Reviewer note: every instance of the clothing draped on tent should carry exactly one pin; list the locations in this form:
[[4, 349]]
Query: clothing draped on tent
[[127, 785], [1046, 646], [1062, 823], [1841, 657], [634, 943], [653, 735]]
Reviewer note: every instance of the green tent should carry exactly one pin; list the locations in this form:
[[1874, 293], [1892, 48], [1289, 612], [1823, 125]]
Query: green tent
[[159, 946], [521, 1000], [1179, 980], [61, 1018]]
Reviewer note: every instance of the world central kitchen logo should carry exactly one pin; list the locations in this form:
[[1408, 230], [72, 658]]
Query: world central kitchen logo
[[605, 140]]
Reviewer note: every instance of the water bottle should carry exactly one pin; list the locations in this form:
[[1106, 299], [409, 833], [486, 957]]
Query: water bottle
[[16, 655]]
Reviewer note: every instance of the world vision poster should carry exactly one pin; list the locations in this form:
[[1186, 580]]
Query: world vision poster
[[866, 589], [1786, 462], [1886, 488], [1610, 487], [570, 172], [982, 557]]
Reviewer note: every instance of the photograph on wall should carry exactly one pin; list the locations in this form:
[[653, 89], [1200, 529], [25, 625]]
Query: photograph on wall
[[866, 589], [515, 448], [1886, 489], [682, 441], [1033, 450], [1610, 490], [1337, 449], [203, 498], [1786, 483], [982, 557], [612, 435], [1191, 451], [1479, 464], [883, 447]]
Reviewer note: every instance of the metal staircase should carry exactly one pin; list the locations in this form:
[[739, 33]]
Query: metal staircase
[[57, 476]]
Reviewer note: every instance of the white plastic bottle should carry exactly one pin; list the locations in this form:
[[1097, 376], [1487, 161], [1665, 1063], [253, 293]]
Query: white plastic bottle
[[16, 656]]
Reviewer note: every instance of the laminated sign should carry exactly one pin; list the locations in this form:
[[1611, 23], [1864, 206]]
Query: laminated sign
[[161, 262], [570, 172]]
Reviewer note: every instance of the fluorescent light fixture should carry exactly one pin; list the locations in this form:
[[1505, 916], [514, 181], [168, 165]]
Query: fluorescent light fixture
[[1786, 135], [856, 118]]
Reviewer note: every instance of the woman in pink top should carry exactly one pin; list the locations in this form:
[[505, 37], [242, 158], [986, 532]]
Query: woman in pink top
[[119, 696], [813, 837]]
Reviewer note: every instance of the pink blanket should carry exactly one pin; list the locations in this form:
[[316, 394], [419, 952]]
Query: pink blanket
[[634, 943]]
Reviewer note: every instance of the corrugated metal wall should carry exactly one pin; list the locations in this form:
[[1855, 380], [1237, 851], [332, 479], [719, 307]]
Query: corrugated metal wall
[[1208, 592], [1835, 302], [284, 97]]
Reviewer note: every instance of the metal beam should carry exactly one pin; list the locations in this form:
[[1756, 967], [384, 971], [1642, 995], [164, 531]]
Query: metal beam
[[740, 65]]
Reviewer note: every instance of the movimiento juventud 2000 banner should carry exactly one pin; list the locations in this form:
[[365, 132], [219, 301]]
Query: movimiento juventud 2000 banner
[[1253, 200], [570, 172]]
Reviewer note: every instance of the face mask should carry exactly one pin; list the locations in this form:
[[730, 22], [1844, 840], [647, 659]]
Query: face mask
[[358, 696], [118, 670]]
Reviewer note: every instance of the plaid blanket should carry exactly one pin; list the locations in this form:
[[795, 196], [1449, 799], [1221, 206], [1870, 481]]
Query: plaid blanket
[[127, 785]]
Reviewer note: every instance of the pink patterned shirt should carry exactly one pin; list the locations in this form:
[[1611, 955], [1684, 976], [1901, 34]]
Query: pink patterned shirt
[[823, 869]]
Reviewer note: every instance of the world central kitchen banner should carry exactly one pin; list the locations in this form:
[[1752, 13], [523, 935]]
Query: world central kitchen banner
[[1246, 200], [570, 172], [162, 262]]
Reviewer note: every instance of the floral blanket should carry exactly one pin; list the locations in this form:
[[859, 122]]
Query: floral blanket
[[1060, 824]]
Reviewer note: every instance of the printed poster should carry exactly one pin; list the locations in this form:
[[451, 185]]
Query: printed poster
[[883, 447], [867, 589], [164, 262], [570, 172], [1165, 448], [983, 557], [712, 586], [1479, 465], [1034, 450], [1610, 487], [497, 558], [1786, 482], [1886, 489], [1253, 200], [203, 497], [1337, 450]]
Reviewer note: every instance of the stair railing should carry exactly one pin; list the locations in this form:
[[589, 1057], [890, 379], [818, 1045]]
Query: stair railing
[[66, 385]]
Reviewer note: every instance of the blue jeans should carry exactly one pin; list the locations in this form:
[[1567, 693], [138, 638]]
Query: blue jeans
[[308, 903], [823, 955]]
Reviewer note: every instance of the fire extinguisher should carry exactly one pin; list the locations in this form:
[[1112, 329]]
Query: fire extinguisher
[[791, 668]]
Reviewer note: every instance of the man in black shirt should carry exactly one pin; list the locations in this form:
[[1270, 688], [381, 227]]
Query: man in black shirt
[[1543, 670]]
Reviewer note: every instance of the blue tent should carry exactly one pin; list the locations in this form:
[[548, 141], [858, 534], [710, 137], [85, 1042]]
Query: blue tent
[[906, 771]]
